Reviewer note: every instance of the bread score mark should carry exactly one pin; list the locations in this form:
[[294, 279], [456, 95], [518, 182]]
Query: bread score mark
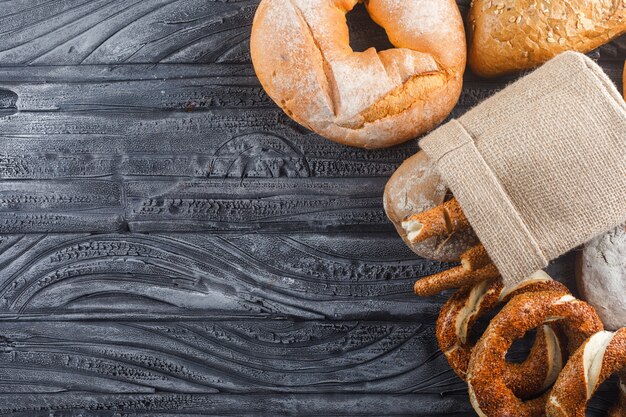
[[555, 356], [442, 220], [470, 310], [328, 82], [416, 89]]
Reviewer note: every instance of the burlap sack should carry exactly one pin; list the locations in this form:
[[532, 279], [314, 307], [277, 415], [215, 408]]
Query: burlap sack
[[540, 167]]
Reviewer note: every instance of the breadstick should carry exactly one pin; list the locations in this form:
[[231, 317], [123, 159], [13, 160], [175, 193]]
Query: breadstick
[[475, 267], [442, 220], [454, 278]]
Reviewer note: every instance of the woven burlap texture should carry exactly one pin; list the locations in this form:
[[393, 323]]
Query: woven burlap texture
[[540, 167]]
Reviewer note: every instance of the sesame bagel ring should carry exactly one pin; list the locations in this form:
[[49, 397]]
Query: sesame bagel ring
[[488, 391], [372, 99], [599, 357], [458, 315]]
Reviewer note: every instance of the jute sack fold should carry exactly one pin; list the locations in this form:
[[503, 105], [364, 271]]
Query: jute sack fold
[[540, 167]]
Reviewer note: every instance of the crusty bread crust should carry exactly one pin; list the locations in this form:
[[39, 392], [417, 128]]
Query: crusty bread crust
[[301, 55], [413, 188], [601, 276], [591, 365], [467, 305], [510, 35]]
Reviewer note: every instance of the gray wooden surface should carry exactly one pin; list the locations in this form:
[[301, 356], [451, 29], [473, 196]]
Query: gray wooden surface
[[172, 244]]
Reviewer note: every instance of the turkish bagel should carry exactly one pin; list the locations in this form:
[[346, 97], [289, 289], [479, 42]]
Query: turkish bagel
[[599, 357], [488, 391], [373, 99], [460, 313]]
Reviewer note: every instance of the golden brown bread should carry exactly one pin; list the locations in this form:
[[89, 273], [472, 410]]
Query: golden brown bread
[[476, 267], [462, 310], [413, 188], [302, 56], [488, 391], [443, 220], [599, 357], [511, 35]]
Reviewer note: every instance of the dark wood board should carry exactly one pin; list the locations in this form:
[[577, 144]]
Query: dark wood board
[[172, 244]]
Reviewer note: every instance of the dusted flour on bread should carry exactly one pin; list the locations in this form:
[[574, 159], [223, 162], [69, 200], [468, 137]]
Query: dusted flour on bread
[[302, 56], [602, 276]]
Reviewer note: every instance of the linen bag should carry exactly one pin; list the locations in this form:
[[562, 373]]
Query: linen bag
[[540, 167]]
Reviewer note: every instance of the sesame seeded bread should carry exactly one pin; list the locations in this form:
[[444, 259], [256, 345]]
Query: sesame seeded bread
[[511, 35]]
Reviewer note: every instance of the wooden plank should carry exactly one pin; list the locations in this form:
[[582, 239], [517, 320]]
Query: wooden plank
[[275, 405], [175, 276], [184, 275], [237, 356], [134, 88], [180, 169], [74, 32], [188, 405], [207, 367], [187, 145]]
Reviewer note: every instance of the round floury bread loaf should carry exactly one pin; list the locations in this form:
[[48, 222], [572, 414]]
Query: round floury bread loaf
[[302, 56], [416, 187], [602, 276]]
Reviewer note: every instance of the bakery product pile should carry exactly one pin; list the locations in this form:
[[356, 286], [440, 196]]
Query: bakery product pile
[[301, 54], [374, 99], [572, 354]]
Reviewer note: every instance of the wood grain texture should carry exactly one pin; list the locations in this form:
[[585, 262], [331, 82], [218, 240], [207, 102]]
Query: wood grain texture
[[187, 405], [224, 356], [172, 244], [174, 276], [177, 148], [199, 152]]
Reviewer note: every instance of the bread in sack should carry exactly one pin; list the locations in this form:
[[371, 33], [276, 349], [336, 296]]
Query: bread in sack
[[538, 168], [416, 187]]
